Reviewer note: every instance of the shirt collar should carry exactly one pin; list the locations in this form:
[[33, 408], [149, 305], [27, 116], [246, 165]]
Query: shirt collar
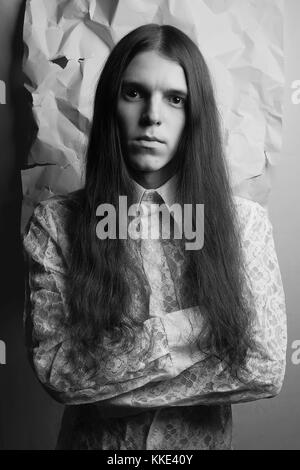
[[167, 191]]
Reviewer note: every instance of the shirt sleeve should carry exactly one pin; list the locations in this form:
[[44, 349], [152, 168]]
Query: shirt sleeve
[[161, 349], [208, 381]]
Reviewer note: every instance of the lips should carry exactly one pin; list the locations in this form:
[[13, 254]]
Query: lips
[[148, 138], [148, 144]]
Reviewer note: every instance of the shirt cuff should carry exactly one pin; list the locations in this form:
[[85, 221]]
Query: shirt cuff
[[183, 329]]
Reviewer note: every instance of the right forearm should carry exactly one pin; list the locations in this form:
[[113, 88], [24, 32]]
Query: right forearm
[[161, 351]]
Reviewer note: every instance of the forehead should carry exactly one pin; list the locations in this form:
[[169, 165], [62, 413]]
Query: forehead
[[156, 71]]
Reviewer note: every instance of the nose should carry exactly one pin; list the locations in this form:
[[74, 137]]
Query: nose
[[151, 114]]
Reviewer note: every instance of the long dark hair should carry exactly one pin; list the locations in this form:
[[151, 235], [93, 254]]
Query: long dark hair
[[102, 277]]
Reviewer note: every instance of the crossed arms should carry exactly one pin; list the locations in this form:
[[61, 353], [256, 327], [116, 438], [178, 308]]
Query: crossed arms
[[169, 371]]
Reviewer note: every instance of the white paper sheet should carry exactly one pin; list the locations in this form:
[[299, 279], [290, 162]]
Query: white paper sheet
[[68, 42]]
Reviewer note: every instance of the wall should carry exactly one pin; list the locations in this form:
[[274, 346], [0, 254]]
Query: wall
[[29, 418], [275, 423]]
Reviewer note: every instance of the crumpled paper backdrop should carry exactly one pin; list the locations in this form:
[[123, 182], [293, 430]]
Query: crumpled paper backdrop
[[68, 42]]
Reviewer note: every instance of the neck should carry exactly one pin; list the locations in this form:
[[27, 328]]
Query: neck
[[153, 179]]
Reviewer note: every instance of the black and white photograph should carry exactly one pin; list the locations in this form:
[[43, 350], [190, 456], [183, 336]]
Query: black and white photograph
[[149, 227]]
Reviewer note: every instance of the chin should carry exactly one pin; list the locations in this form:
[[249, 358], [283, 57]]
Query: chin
[[147, 164]]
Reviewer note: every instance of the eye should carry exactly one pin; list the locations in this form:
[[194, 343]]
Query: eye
[[177, 101], [131, 94]]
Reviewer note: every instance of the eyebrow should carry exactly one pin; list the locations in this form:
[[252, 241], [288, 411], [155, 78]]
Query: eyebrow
[[143, 87]]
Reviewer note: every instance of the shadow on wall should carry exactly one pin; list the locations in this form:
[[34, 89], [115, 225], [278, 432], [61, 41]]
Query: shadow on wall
[[29, 418]]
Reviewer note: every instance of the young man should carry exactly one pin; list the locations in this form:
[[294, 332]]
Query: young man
[[153, 342]]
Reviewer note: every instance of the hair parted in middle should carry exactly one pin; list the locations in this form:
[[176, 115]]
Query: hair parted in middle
[[102, 277]]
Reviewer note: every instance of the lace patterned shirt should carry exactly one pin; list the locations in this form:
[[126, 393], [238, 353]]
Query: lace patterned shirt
[[165, 393]]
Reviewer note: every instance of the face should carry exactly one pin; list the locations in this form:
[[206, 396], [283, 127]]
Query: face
[[151, 111]]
